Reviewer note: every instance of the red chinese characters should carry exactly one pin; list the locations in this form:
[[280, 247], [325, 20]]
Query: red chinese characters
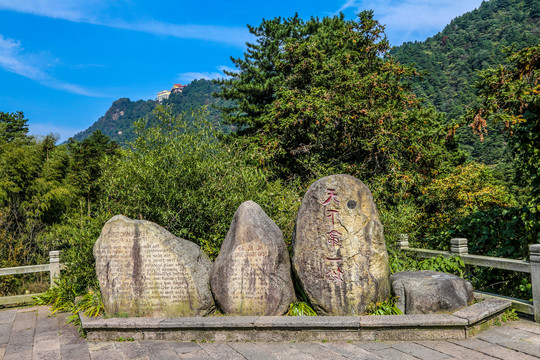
[[332, 196], [333, 239], [335, 275]]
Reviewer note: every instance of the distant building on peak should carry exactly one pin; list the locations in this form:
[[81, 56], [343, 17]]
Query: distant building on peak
[[177, 88], [164, 95]]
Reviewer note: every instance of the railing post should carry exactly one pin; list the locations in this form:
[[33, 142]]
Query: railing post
[[458, 246], [403, 241], [534, 254], [54, 265]]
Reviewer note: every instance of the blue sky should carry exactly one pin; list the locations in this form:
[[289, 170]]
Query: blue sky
[[63, 62]]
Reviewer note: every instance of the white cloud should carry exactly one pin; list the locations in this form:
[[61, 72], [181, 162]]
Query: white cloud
[[46, 129], [93, 12], [13, 60], [58, 9], [188, 77], [229, 35], [227, 68], [403, 18]]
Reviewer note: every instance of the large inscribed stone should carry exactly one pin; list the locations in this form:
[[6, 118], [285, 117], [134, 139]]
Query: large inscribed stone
[[144, 270], [340, 255], [252, 273]]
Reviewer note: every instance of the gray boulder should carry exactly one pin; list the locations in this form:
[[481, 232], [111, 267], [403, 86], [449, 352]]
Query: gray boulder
[[252, 273], [340, 255], [144, 270], [430, 292]]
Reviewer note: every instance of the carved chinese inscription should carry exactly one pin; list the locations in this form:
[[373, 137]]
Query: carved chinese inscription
[[334, 273], [251, 275], [340, 256], [144, 270]]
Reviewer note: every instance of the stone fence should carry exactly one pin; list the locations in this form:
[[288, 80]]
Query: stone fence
[[53, 267], [458, 247]]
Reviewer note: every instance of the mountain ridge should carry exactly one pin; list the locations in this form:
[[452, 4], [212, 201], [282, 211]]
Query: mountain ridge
[[117, 122]]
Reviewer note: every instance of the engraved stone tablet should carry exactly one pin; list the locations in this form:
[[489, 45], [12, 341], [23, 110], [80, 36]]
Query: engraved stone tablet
[[252, 273], [144, 270], [340, 255]]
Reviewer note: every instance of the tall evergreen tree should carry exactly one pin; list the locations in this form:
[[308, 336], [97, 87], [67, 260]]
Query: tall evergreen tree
[[335, 102], [12, 126], [254, 85]]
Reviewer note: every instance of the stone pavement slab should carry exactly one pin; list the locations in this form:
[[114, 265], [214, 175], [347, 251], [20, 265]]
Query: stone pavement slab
[[252, 351], [317, 351], [131, 350], [35, 334], [5, 332], [104, 351], [221, 351], [196, 355], [184, 347], [420, 351], [189, 351], [7, 316], [159, 350], [284, 351], [526, 325], [393, 354], [512, 340], [350, 351], [503, 353], [454, 350]]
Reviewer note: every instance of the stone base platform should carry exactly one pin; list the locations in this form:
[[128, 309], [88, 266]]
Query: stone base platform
[[459, 325]]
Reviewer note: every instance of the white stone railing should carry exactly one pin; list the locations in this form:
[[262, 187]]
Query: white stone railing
[[53, 267], [458, 246]]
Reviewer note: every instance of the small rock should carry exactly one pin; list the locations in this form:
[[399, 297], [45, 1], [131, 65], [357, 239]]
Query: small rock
[[430, 292], [252, 273], [144, 270], [340, 254]]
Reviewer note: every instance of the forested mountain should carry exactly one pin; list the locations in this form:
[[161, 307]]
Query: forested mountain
[[450, 60], [117, 123]]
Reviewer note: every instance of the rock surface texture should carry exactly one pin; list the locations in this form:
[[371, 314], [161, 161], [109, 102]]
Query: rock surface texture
[[340, 255], [430, 292], [252, 273], [144, 270]]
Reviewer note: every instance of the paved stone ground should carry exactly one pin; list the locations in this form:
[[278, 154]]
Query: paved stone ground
[[30, 333]]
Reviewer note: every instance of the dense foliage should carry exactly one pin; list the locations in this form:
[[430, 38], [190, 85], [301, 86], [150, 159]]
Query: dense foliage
[[177, 174], [511, 95], [333, 103], [309, 98], [41, 184], [450, 60]]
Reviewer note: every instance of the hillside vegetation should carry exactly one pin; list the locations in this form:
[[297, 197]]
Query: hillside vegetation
[[117, 123], [449, 63]]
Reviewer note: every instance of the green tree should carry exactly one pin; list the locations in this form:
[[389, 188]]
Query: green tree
[[253, 86], [34, 194], [87, 159], [511, 95], [12, 126], [338, 104], [180, 176]]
